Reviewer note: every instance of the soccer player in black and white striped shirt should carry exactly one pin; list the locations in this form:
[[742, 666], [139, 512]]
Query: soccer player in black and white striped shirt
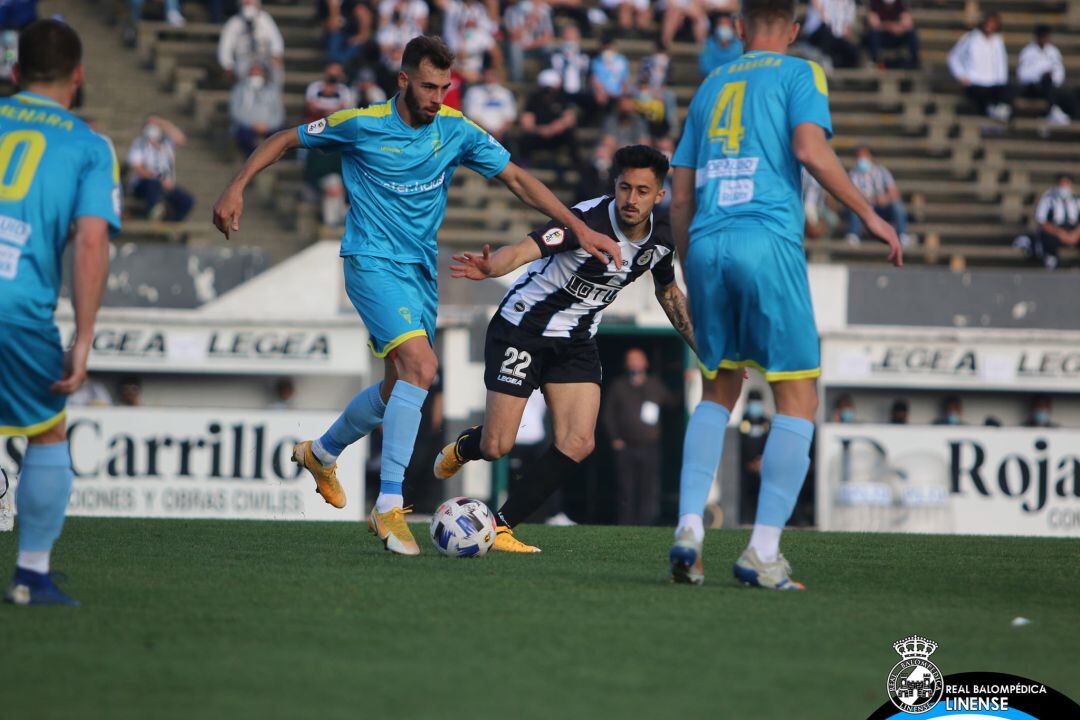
[[543, 334]]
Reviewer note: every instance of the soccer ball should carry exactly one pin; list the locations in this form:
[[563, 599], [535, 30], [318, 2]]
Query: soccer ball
[[463, 527]]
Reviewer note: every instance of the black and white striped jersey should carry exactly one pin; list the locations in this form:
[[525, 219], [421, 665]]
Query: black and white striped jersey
[[564, 293]]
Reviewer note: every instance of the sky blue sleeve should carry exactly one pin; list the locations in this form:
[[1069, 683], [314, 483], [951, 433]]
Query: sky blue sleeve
[[808, 98], [686, 154], [99, 186], [332, 132], [482, 152]]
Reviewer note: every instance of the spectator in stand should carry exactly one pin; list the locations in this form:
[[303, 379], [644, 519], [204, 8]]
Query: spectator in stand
[[548, 122], [1058, 218], [952, 412], [490, 105], [820, 218], [574, 10], [256, 109], [129, 391], [152, 171], [1041, 73], [529, 30], [596, 174], [624, 126], [413, 14], [722, 46], [367, 90], [284, 390], [14, 16], [349, 32], [655, 101], [844, 410], [249, 37], [572, 67], [830, 27], [328, 94], [610, 74], [395, 32], [473, 40], [628, 13], [980, 62], [899, 412], [172, 12], [877, 185], [679, 12], [891, 25], [1039, 414]]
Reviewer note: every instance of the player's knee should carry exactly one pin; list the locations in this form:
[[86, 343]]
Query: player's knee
[[420, 370], [577, 447]]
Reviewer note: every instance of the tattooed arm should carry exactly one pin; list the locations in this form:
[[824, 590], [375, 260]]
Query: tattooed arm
[[673, 301]]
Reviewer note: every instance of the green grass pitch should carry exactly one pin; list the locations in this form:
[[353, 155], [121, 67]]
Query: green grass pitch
[[207, 619]]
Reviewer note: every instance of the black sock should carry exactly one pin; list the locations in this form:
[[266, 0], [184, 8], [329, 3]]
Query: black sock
[[542, 478], [468, 443]]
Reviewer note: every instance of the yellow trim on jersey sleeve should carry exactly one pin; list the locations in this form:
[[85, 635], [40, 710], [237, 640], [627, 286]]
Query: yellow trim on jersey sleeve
[[381, 110], [820, 81], [451, 112], [35, 429], [769, 376], [395, 342]]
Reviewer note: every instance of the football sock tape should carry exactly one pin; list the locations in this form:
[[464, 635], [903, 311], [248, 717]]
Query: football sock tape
[[783, 468], [702, 450], [42, 499], [400, 425], [362, 414], [542, 478]]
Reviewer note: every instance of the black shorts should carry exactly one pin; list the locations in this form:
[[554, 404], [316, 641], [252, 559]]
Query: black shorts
[[518, 362]]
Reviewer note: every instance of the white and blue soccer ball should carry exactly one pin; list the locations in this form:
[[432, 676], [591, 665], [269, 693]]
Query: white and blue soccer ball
[[463, 527]]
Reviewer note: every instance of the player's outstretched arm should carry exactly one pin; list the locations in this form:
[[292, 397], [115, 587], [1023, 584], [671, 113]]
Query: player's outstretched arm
[[813, 151], [683, 206], [535, 194], [91, 268], [489, 265], [230, 205], [672, 299]]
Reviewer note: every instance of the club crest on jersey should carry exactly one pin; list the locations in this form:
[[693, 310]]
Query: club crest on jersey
[[553, 237], [915, 684], [316, 128], [644, 258]]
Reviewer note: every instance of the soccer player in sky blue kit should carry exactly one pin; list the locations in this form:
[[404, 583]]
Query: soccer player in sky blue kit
[[54, 171], [398, 158], [737, 220]]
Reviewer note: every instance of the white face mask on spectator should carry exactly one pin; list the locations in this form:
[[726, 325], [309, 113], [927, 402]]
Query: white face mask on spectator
[[249, 12], [257, 81], [863, 165], [1065, 191], [153, 133]]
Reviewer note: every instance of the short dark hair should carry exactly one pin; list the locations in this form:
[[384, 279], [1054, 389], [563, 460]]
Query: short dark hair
[[427, 47], [1042, 30], [768, 11], [641, 156], [49, 51], [1064, 176]]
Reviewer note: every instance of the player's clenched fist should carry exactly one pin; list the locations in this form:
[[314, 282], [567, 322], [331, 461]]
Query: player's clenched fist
[[227, 211]]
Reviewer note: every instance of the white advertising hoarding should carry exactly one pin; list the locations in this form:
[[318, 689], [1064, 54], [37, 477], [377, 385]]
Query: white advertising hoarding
[[951, 362], [179, 463], [948, 479]]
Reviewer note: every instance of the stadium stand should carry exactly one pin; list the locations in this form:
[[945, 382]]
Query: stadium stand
[[970, 183]]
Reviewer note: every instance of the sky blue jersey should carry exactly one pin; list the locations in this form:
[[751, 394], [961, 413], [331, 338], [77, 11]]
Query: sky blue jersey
[[738, 139], [397, 176], [53, 170]]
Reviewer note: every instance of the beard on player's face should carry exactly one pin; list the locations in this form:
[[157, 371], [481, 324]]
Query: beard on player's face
[[419, 114]]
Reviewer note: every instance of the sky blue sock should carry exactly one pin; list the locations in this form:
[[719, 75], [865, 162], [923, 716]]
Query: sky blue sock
[[44, 488], [361, 415], [400, 424], [702, 448], [783, 469]]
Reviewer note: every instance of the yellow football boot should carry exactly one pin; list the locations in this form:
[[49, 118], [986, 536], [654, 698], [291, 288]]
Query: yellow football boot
[[449, 462], [391, 528], [326, 482], [506, 542]]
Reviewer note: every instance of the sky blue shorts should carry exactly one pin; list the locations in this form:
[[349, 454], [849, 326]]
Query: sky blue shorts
[[750, 300], [396, 301], [31, 360]]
